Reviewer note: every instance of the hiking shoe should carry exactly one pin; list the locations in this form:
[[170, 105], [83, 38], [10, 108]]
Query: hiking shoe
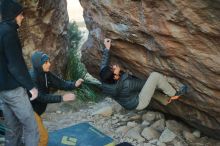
[[183, 90]]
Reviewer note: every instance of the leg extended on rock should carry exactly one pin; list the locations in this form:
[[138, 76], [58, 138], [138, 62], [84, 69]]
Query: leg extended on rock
[[158, 81]]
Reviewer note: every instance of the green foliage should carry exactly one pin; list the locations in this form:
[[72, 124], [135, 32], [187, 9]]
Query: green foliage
[[75, 69], [33, 1], [74, 36]]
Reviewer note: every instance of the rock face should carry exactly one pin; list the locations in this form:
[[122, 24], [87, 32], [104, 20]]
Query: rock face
[[178, 38], [44, 28]]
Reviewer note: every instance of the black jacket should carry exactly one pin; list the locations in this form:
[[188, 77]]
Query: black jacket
[[45, 81], [13, 70], [125, 91]]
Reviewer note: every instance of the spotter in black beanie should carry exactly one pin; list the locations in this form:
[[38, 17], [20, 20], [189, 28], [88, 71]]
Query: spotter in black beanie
[[10, 9]]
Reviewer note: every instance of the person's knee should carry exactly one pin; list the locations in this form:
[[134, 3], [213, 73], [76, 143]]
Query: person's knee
[[155, 74]]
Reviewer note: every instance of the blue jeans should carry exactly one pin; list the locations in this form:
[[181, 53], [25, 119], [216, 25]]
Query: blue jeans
[[19, 118]]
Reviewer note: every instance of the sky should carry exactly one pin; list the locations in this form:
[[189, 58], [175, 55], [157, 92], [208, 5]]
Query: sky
[[75, 10]]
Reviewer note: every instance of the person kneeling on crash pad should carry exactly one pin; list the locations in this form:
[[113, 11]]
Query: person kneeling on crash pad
[[45, 80]]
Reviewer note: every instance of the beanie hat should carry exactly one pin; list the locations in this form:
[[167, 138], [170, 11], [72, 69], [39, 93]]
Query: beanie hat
[[44, 58], [10, 9], [38, 59]]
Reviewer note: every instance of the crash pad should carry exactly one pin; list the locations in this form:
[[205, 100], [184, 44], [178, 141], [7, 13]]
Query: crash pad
[[82, 134]]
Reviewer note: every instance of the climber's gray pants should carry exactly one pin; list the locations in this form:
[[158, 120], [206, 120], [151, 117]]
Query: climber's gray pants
[[155, 81]]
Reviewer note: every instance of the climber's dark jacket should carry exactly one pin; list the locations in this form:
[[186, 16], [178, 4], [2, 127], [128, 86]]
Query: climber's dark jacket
[[125, 91]]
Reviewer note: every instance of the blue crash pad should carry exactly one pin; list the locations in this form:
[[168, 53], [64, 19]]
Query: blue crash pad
[[82, 134]]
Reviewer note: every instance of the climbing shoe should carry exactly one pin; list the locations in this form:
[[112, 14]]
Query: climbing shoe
[[183, 90]]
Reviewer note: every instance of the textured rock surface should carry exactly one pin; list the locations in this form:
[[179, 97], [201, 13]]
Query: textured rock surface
[[174, 37], [44, 28]]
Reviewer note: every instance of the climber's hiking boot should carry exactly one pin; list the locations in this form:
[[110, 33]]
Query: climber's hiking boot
[[183, 90]]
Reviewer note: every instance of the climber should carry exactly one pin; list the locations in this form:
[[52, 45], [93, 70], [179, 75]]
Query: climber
[[130, 91], [44, 80]]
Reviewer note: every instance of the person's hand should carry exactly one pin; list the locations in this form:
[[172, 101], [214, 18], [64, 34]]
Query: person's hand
[[69, 97], [79, 82], [107, 43], [34, 93]]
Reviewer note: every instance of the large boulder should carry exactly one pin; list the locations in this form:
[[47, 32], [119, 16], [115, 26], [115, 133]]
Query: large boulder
[[45, 28], [178, 38]]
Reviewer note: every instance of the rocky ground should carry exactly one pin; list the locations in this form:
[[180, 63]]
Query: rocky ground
[[141, 128]]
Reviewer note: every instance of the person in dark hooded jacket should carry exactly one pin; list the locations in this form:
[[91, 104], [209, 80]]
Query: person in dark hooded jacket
[[45, 80], [14, 78], [130, 91]]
